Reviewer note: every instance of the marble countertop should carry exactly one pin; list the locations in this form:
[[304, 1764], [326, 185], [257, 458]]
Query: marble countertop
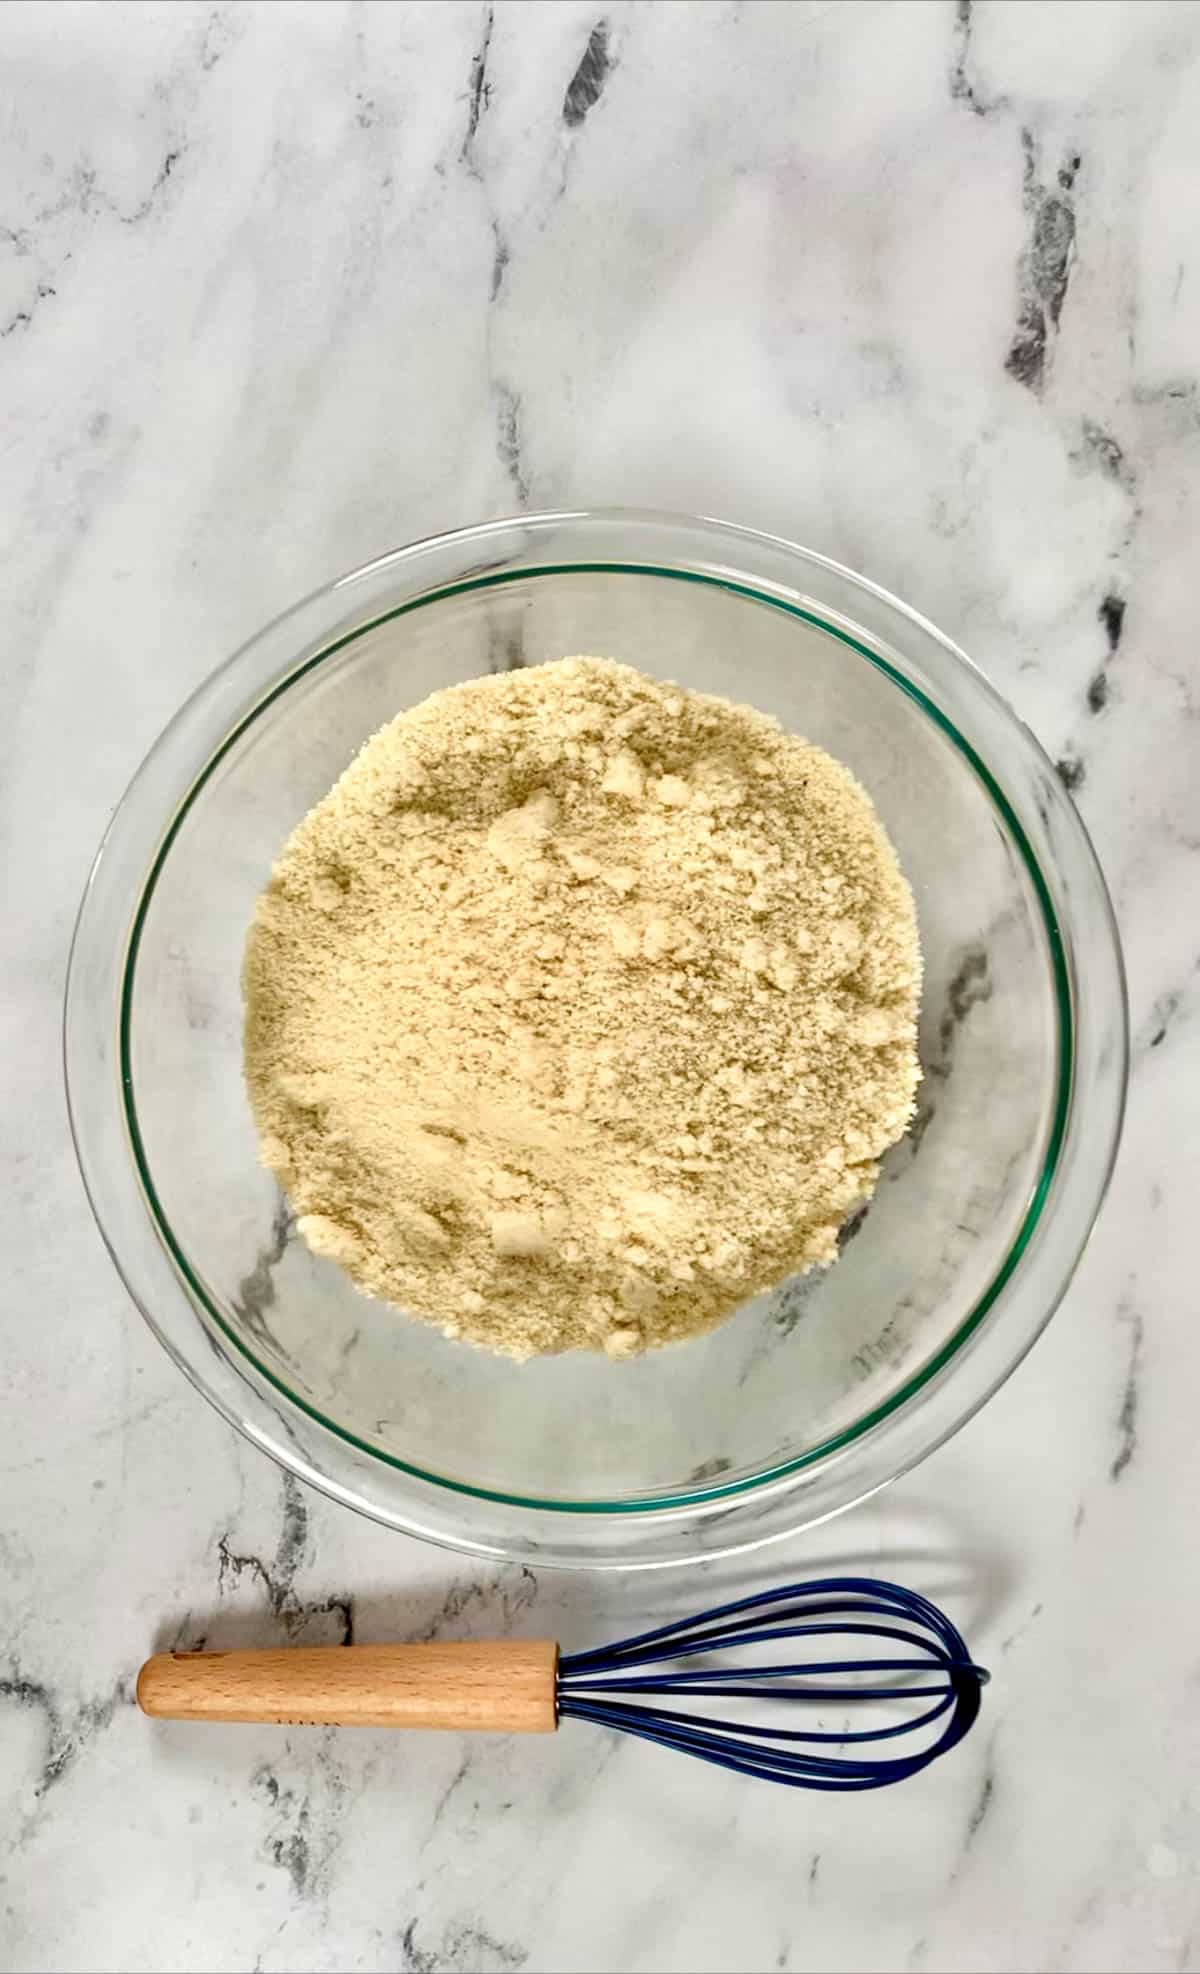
[[282, 286]]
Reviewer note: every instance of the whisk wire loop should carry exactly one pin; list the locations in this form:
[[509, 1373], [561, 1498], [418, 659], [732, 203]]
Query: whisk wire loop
[[594, 1685]]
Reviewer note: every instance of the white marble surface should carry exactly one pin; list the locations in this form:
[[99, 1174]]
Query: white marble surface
[[284, 285]]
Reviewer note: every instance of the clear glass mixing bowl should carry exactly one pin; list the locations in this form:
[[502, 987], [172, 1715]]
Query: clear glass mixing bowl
[[807, 1399]]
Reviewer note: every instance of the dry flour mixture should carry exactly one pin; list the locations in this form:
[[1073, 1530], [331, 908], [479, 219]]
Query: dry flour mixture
[[581, 1009]]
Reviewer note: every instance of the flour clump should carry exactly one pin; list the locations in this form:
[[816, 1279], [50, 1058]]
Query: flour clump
[[581, 1009]]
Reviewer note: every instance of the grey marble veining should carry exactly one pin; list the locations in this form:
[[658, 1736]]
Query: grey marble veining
[[284, 285]]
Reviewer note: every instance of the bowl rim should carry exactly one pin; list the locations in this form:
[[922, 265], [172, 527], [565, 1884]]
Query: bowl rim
[[784, 597], [676, 1497]]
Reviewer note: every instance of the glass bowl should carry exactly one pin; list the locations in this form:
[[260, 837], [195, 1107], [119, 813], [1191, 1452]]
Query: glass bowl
[[809, 1398]]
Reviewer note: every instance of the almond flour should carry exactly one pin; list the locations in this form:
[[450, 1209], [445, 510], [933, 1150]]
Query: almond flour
[[581, 1009]]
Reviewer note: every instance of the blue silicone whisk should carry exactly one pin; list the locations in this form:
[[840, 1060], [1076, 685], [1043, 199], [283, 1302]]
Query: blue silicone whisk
[[787, 1715]]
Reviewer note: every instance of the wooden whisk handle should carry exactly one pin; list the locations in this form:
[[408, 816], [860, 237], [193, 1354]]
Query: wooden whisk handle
[[507, 1687]]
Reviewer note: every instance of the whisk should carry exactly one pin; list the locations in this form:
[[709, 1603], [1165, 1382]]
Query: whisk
[[908, 1659]]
